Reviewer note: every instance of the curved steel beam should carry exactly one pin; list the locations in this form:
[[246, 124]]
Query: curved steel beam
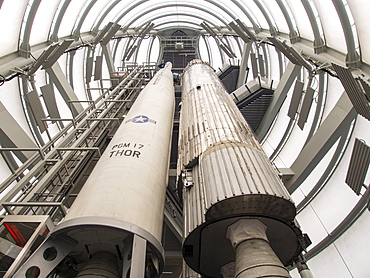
[[318, 44], [255, 26], [53, 35], [145, 12], [272, 28], [293, 34], [353, 59], [176, 22], [95, 29], [129, 9], [76, 32], [24, 46], [176, 14]]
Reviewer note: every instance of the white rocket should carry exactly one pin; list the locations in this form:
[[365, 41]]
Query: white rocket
[[115, 223]]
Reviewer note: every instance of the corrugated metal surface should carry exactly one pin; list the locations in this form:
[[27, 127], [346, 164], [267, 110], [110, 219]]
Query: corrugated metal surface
[[306, 106], [194, 203], [229, 77], [353, 90], [223, 153], [98, 67], [37, 110], [366, 87], [89, 68], [296, 97], [358, 166], [253, 60], [49, 99], [261, 64]]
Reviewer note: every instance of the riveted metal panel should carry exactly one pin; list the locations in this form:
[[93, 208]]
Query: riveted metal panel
[[296, 97], [50, 102], [358, 166], [37, 110], [306, 106], [98, 67], [354, 91]]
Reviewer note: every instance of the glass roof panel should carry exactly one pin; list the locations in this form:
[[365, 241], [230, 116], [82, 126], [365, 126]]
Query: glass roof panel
[[301, 19], [43, 20], [257, 14], [145, 14], [11, 14], [93, 14], [73, 11], [330, 21], [277, 16], [360, 12]]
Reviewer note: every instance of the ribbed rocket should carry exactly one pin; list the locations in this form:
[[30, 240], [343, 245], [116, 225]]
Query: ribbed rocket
[[115, 223], [231, 191]]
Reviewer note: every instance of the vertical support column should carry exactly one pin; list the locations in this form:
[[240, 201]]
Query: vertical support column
[[244, 65], [134, 257], [254, 256], [138, 257]]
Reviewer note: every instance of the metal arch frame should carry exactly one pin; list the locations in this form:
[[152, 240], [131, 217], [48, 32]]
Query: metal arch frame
[[126, 10], [53, 34], [24, 46], [127, 25], [223, 9], [353, 58], [179, 21], [319, 43], [273, 30], [293, 34], [256, 27], [176, 14], [76, 31], [95, 29]]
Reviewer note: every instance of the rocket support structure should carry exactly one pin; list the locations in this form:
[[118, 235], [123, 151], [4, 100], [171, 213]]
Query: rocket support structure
[[115, 223], [234, 200]]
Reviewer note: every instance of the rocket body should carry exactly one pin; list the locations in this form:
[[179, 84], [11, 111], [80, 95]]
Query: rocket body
[[114, 227], [129, 181], [226, 177]]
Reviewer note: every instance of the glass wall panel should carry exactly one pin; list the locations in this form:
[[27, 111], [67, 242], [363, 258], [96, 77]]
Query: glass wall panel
[[11, 14], [329, 263], [354, 246]]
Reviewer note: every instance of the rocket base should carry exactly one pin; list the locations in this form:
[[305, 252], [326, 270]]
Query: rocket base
[[207, 249]]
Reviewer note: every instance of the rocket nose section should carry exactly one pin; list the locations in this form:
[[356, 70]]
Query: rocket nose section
[[168, 66]]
